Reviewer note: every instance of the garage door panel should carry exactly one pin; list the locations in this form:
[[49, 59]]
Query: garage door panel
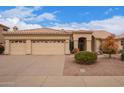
[[17, 48], [48, 48]]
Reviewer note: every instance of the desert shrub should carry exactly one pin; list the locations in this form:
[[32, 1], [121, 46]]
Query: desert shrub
[[122, 56], [109, 46], [85, 57], [1, 49], [75, 50], [120, 51]]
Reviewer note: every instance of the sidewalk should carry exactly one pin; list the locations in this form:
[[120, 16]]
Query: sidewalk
[[62, 81]]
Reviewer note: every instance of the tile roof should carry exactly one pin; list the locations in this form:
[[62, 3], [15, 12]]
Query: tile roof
[[101, 34], [37, 31], [120, 36], [83, 31]]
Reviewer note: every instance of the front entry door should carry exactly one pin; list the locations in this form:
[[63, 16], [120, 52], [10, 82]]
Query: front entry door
[[81, 44]]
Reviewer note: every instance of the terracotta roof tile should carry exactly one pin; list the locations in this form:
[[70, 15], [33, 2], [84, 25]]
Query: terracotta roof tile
[[101, 34], [120, 36], [83, 31], [37, 31]]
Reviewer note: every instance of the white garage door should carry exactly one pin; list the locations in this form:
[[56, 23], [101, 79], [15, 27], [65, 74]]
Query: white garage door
[[47, 47], [17, 47]]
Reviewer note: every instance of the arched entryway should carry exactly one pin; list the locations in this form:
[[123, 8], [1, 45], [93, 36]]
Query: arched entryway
[[82, 44]]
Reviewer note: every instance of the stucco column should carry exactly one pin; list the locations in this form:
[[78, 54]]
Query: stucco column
[[28, 47], [98, 43], [67, 50], [89, 45], [75, 43], [7, 47]]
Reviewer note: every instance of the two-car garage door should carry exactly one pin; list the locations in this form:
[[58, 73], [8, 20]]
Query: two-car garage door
[[38, 47], [47, 47]]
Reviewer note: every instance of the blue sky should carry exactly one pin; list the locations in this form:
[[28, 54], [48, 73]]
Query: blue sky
[[65, 17]]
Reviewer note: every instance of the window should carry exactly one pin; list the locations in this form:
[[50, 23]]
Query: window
[[4, 29], [50, 41], [33, 42], [54, 41], [24, 41], [16, 41], [58, 41], [20, 41], [122, 42], [62, 41], [38, 41], [11, 41]]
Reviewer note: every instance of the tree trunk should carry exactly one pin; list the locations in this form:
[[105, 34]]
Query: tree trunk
[[110, 56]]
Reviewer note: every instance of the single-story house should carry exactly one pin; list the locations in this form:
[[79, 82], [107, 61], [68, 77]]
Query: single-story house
[[2, 28], [47, 41]]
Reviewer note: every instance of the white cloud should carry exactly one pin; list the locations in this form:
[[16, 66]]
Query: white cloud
[[20, 12], [108, 11], [24, 16], [11, 22], [27, 14], [114, 25], [43, 17], [48, 16]]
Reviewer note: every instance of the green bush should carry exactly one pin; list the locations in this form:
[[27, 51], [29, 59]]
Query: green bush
[[85, 57], [1, 49], [122, 56]]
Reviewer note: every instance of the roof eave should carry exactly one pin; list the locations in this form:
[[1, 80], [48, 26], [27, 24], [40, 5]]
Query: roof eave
[[16, 33], [4, 26], [78, 32]]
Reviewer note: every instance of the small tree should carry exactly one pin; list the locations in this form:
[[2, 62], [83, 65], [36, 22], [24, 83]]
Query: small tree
[[109, 46]]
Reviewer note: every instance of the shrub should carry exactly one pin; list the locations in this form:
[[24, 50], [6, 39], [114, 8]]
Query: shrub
[[85, 57], [122, 56], [75, 50], [1, 49], [109, 46], [121, 51]]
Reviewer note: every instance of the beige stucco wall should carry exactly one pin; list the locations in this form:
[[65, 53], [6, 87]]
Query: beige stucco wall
[[120, 47], [66, 47], [28, 47], [7, 47], [97, 44], [1, 36], [88, 36]]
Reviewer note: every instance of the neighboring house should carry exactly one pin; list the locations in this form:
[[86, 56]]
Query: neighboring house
[[120, 41], [46, 41], [2, 28]]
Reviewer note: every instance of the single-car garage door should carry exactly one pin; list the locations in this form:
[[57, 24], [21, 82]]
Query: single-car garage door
[[47, 47], [17, 47]]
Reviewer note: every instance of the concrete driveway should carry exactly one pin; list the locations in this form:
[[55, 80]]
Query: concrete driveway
[[46, 71], [31, 65]]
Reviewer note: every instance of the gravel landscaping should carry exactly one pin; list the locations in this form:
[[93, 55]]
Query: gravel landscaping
[[103, 67]]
